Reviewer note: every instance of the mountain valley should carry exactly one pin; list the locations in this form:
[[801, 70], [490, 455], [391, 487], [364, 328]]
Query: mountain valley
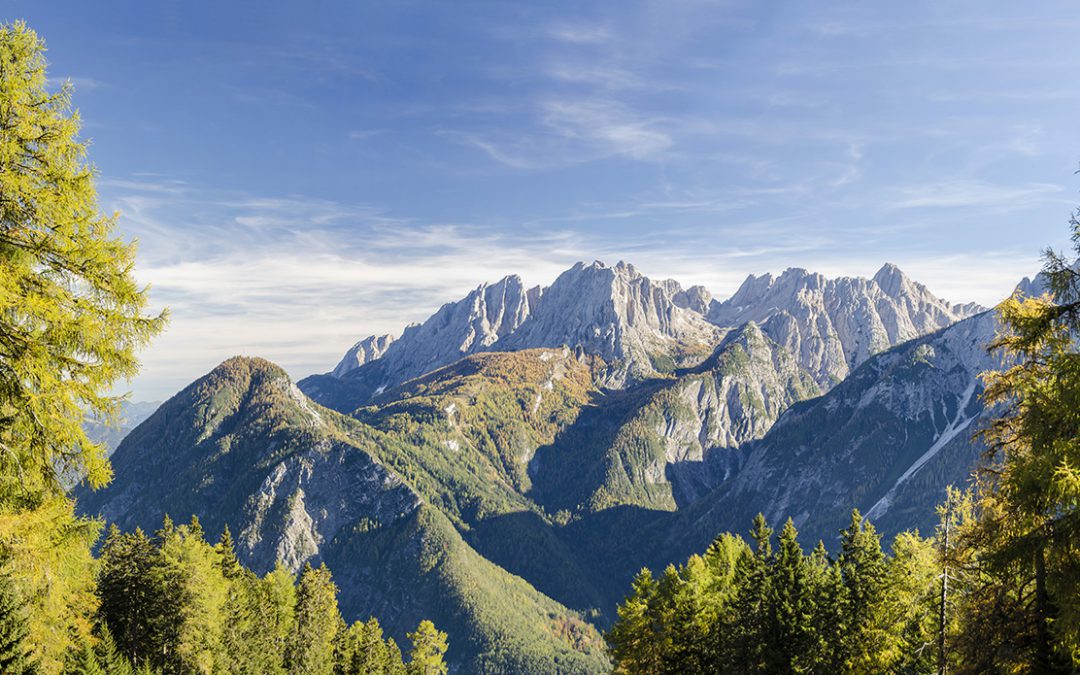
[[509, 464]]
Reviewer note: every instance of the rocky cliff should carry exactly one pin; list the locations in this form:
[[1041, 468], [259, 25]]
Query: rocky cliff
[[833, 325]]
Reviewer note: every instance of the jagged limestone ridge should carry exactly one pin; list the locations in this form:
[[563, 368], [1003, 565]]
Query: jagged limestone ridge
[[833, 325]]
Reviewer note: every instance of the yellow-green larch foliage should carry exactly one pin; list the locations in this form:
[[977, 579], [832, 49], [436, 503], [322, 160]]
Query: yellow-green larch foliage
[[72, 315], [1030, 490], [46, 550], [428, 649]]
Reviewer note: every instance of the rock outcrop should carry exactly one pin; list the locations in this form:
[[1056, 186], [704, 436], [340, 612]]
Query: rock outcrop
[[887, 440], [833, 325], [638, 325], [364, 351]]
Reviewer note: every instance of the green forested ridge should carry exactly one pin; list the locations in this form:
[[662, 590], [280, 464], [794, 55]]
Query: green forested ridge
[[242, 444]]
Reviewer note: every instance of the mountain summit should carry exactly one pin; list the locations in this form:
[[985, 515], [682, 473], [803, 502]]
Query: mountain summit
[[834, 325], [636, 325], [641, 327]]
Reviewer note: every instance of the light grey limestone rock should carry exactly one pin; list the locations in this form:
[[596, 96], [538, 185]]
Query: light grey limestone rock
[[833, 325], [364, 351], [621, 316]]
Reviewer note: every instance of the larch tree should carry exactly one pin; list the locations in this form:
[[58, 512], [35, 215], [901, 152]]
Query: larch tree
[[428, 650], [72, 319], [72, 315], [1030, 487]]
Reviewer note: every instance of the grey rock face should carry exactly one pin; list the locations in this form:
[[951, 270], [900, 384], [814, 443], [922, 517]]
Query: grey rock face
[[637, 325], [307, 499], [886, 440], [364, 351], [458, 329], [750, 384], [620, 315], [833, 325]]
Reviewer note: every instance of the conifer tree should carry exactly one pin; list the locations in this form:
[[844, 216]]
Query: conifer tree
[[108, 655], [72, 315], [250, 643], [311, 644], [361, 650], [1030, 487], [230, 564], [15, 657], [687, 617], [82, 660], [863, 573], [742, 638], [395, 662], [276, 603], [791, 607], [428, 649], [633, 640], [132, 602]]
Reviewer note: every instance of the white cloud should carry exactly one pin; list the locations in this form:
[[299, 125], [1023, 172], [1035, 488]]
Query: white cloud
[[582, 34], [298, 280], [971, 193], [608, 125]]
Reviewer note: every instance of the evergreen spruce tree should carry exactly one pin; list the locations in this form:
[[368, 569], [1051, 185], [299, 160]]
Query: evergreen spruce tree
[[864, 578], [15, 656], [132, 603], [230, 563], [742, 637], [311, 645], [633, 640], [82, 660], [428, 649], [791, 605], [826, 587], [108, 655]]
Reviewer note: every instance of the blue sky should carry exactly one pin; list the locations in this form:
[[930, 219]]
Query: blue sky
[[300, 175]]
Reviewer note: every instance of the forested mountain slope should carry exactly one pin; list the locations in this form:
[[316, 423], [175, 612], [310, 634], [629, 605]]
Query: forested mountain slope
[[506, 467], [299, 483]]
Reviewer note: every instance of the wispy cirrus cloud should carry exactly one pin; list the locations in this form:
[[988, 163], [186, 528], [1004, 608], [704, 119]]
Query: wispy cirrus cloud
[[582, 33], [971, 193]]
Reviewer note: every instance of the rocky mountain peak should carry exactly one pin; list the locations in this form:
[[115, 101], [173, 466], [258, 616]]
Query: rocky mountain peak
[[364, 351], [616, 313], [891, 280], [833, 325]]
